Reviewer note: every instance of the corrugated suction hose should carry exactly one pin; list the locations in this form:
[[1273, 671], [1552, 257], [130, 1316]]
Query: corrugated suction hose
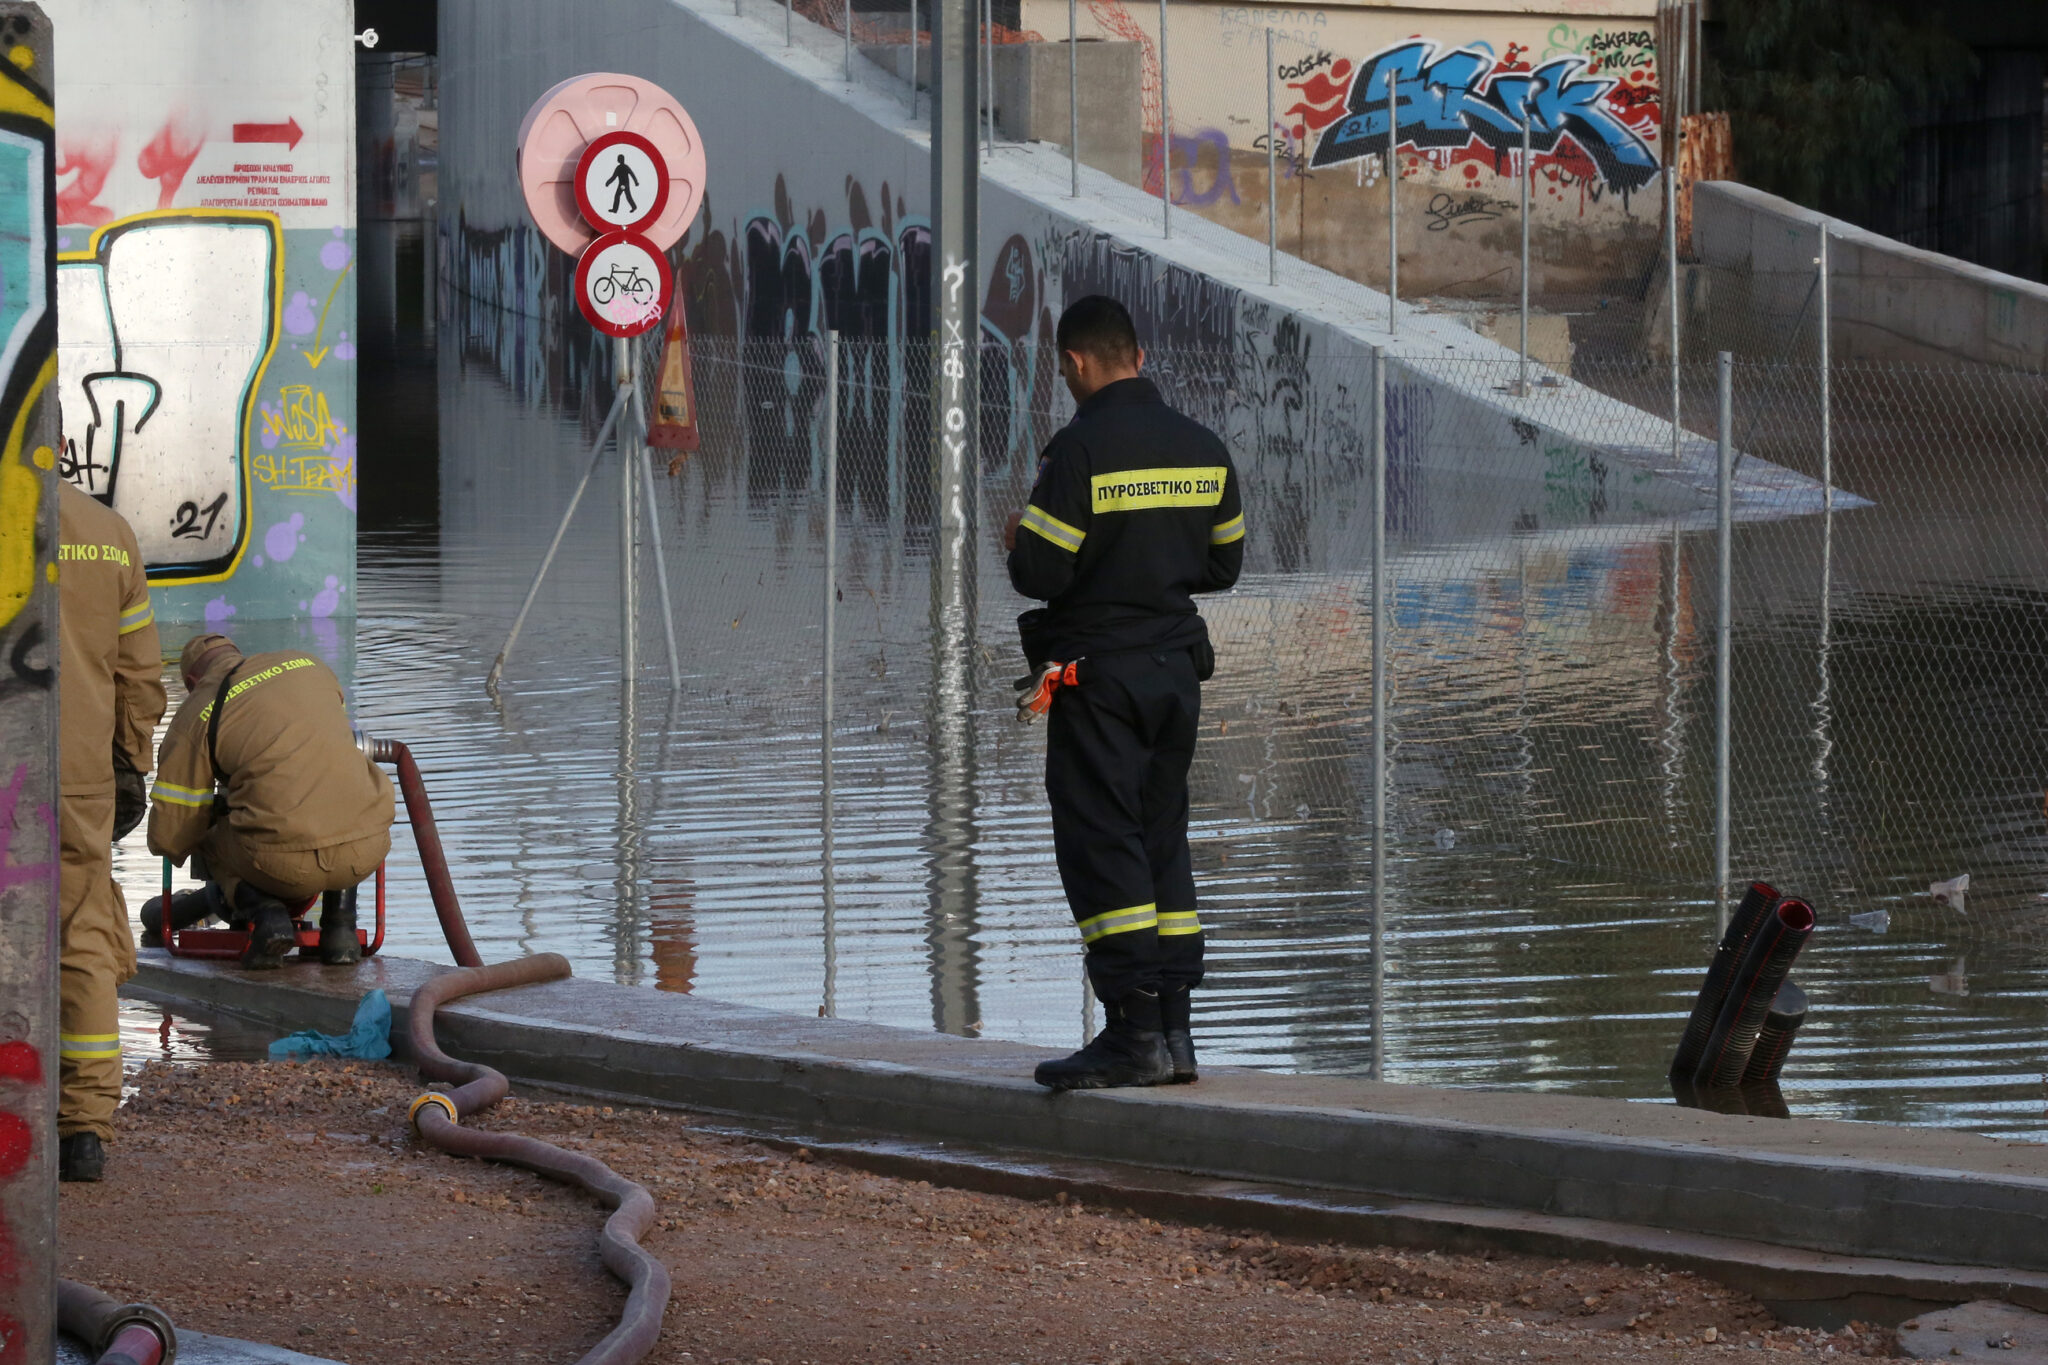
[[433, 862], [116, 1333], [436, 1116]]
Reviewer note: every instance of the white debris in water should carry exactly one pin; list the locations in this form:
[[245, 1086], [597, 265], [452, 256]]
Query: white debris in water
[[1446, 840], [1876, 921], [1951, 892]]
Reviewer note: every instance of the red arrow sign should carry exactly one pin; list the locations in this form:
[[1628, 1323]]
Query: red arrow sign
[[287, 132]]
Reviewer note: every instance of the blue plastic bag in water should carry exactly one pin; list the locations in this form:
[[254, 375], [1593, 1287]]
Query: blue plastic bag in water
[[368, 1039]]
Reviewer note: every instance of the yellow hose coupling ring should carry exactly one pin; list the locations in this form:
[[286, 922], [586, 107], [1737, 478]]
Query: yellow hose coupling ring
[[413, 1114]]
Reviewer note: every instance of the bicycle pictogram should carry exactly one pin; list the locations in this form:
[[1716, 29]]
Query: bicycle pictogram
[[622, 278]]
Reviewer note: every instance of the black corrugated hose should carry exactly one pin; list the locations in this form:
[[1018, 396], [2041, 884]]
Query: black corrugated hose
[[1706, 1010], [436, 1115], [1765, 963]]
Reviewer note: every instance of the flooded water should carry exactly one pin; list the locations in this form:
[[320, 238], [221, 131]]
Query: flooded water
[[1550, 908]]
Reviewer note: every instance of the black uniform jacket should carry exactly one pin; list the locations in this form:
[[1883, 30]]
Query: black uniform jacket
[[1136, 509]]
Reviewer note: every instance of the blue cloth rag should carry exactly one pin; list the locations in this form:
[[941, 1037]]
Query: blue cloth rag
[[369, 1038]]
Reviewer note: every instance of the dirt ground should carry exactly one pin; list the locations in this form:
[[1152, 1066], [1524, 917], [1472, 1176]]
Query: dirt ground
[[287, 1203]]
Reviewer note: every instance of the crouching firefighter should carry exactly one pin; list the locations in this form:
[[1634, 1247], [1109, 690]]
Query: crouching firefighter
[[1136, 508], [261, 778]]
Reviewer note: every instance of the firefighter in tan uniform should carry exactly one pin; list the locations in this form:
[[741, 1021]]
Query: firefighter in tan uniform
[[111, 697], [261, 777]]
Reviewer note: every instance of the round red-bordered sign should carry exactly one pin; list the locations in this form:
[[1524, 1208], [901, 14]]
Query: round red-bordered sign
[[621, 182], [623, 284]]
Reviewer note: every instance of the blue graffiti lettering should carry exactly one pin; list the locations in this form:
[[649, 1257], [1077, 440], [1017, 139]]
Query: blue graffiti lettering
[[1449, 101]]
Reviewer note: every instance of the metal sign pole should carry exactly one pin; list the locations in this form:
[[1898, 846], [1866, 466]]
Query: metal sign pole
[[1528, 167], [1671, 270], [1827, 413], [629, 588], [831, 579], [1074, 97], [648, 496], [955, 290]]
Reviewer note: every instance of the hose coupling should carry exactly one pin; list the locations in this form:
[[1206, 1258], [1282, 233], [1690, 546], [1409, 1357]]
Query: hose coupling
[[431, 1098]]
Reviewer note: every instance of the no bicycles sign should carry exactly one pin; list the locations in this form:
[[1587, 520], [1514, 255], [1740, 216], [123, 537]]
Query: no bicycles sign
[[612, 170]]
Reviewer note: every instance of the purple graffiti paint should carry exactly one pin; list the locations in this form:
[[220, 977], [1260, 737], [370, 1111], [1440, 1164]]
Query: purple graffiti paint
[[299, 317], [218, 610], [335, 255], [327, 599], [344, 349], [282, 540]]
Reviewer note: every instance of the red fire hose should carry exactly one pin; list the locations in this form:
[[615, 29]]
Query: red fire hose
[[116, 1333], [433, 861], [436, 1117]]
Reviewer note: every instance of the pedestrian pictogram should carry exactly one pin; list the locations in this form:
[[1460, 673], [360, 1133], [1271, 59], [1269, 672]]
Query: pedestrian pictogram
[[621, 284], [621, 182]]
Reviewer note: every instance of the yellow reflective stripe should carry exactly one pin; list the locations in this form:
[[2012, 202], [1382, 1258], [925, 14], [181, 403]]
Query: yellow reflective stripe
[[89, 1044], [1228, 531], [1052, 528], [1172, 922], [137, 616], [170, 793], [1119, 922], [1138, 490]]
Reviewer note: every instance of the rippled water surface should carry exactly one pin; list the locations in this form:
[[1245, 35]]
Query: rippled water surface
[[1549, 909]]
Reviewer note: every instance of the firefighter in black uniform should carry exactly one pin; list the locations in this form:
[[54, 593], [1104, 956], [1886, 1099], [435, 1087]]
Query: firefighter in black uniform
[[1135, 509]]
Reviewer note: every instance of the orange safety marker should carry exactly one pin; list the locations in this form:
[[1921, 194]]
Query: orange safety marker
[[675, 404]]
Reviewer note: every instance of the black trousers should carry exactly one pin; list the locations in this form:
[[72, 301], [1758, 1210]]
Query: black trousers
[[1117, 752]]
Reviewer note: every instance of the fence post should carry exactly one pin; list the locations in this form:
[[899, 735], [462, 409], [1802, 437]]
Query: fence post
[[1724, 626], [1074, 98], [1671, 269], [788, 24], [1827, 413], [1379, 711], [988, 84], [1528, 169], [849, 40], [1165, 136], [1272, 176], [913, 57], [1393, 204], [831, 606]]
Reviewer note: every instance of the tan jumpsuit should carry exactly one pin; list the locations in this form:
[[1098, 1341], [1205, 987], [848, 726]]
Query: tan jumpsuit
[[111, 696], [306, 810]]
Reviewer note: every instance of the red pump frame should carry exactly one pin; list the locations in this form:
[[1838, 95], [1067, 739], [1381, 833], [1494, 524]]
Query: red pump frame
[[230, 944]]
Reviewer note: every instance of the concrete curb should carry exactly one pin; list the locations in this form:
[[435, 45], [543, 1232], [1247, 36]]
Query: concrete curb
[[1859, 1190]]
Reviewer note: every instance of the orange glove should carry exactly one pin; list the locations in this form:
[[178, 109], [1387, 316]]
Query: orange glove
[[1035, 694]]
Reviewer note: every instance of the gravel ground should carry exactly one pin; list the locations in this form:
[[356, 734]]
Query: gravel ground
[[288, 1203]]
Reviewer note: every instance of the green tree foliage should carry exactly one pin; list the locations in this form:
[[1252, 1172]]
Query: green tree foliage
[[1820, 93]]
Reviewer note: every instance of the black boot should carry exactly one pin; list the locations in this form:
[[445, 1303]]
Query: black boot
[[339, 946], [1131, 1050], [187, 909], [81, 1157], [272, 935], [1176, 1020]]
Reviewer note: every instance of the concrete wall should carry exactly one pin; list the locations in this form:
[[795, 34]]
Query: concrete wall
[[1889, 301], [1459, 74], [206, 212]]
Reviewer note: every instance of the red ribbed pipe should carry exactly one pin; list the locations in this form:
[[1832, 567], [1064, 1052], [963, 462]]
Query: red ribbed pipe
[[420, 811], [478, 1087]]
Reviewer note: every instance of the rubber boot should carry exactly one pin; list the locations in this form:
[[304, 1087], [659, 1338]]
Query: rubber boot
[[272, 934], [1176, 1021], [339, 946], [187, 909], [81, 1157], [1130, 1050]]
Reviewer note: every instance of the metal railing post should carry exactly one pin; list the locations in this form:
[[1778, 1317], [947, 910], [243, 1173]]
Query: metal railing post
[[849, 40], [788, 23], [831, 580], [1165, 136], [1528, 171], [1379, 712], [988, 86], [912, 42], [1671, 268], [1724, 626], [1272, 175], [1393, 204], [1074, 97], [1827, 430]]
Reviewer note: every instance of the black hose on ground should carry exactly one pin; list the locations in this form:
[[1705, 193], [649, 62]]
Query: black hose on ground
[[1706, 1010], [1774, 1039], [116, 1333], [436, 1115], [1763, 969]]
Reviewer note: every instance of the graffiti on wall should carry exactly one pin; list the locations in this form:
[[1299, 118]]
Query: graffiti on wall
[[158, 393], [1464, 104]]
